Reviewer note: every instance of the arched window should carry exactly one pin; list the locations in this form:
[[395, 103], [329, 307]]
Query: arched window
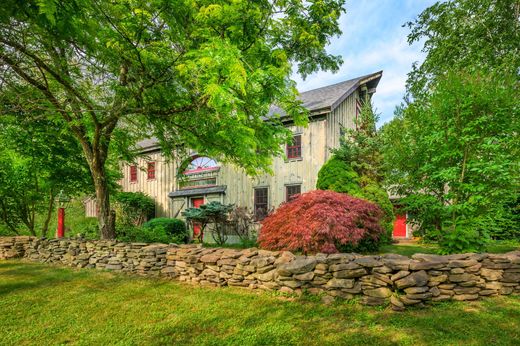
[[197, 172], [200, 164]]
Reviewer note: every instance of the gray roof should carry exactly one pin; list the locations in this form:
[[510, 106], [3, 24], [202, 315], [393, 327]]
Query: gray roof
[[198, 191], [327, 98]]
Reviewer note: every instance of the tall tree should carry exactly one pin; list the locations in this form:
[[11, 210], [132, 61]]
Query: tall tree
[[452, 150], [473, 35], [37, 161], [201, 74]]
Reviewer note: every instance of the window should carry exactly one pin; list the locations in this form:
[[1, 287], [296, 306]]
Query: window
[[197, 172], [291, 191], [261, 203], [133, 174], [294, 149], [151, 170]]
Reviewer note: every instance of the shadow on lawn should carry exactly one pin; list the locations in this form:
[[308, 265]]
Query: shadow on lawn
[[16, 276], [275, 322]]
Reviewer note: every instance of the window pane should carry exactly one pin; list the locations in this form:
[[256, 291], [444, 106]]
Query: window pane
[[151, 170], [261, 203], [294, 149], [291, 191], [133, 173]]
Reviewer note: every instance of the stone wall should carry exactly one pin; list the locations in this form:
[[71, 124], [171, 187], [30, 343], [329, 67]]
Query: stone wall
[[375, 279]]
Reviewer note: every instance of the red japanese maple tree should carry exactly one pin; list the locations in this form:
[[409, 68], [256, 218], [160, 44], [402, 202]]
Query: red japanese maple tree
[[321, 221]]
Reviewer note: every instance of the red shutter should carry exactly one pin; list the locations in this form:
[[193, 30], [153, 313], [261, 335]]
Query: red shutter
[[133, 174], [151, 170]]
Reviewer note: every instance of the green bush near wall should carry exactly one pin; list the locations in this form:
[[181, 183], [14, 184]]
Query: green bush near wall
[[159, 230]]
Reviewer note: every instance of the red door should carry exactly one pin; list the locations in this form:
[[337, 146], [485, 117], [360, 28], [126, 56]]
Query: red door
[[400, 226], [196, 203]]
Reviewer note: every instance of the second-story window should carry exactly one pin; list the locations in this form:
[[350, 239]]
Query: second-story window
[[294, 149], [151, 170], [133, 174]]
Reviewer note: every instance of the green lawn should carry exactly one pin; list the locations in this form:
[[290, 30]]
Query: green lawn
[[408, 249], [45, 305]]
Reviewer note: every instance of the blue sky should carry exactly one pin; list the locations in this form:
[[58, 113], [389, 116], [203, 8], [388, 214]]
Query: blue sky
[[373, 39]]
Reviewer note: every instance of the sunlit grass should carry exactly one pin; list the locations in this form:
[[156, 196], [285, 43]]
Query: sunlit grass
[[44, 305]]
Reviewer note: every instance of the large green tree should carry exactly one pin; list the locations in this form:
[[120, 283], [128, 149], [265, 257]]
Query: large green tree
[[452, 150], [199, 74], [471, 35]]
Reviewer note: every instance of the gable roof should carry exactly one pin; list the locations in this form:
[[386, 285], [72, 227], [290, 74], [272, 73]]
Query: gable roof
[[327, 98]]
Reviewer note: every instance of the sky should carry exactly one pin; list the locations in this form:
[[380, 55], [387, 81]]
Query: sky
[[373, 39]]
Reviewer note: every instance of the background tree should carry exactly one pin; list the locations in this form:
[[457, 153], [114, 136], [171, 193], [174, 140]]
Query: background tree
[[456, 153], [470, 35], [38, 160], [356, 167], [197, 74]]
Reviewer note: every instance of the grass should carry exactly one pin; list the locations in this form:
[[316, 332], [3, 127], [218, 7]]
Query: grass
[[408, 249], [44, 305]]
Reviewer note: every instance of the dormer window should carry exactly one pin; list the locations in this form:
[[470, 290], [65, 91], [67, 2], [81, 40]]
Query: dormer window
[[294, 149]]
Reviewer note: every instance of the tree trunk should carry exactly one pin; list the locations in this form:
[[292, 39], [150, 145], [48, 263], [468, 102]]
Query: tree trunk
[[105, 219]]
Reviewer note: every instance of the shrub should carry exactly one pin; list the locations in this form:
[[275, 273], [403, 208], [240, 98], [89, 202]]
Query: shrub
[[214, 213], [159, 230], [338, 176], [134, 208], [321, 221]]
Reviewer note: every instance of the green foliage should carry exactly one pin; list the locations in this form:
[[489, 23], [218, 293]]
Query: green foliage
[[174, 227], [37, 161], [361, 147], [134, 207], [467, 35], [464, 239], [160, 230], [214, 213], [457, 152], [194, 74], [337, 175]]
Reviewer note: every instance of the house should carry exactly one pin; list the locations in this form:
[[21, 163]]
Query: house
[[195, 180]]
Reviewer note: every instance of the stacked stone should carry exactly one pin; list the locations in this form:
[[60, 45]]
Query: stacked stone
[[14, 247], [377, 279]]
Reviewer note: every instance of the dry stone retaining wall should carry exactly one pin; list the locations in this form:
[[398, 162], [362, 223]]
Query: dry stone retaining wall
[[376, 279]]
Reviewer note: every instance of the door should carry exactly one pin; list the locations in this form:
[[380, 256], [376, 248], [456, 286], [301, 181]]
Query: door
[[196, 203], [400, 226]]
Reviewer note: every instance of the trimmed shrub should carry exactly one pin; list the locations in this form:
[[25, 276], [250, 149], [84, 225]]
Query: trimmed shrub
[[321, 221], [338, 176], [134, 208], [159, 230], [174, 228]]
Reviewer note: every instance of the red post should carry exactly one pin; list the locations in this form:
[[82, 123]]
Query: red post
[[61, 222]]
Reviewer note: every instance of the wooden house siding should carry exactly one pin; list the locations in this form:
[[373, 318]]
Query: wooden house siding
[[343, 116], [157, 188]]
